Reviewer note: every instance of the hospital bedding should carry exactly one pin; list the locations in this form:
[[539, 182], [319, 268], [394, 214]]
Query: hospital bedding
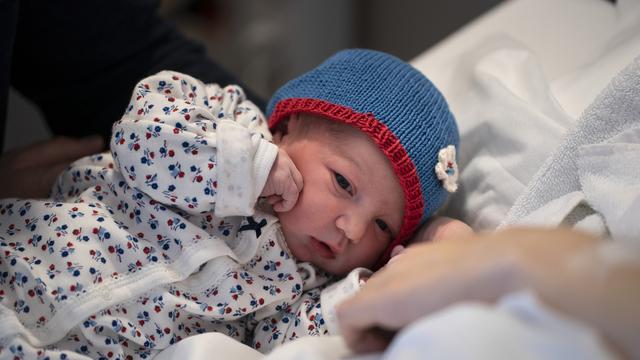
[[518, 95]]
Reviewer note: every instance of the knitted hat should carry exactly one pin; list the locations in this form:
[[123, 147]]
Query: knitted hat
[[398, 107]]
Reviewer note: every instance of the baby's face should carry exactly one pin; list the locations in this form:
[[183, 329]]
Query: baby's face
[[351, 204]]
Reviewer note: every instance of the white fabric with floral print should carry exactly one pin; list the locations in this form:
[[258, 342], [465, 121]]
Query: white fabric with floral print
[[130, 254]]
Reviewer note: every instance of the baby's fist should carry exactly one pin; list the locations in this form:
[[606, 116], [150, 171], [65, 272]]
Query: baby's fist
[[284, 183]]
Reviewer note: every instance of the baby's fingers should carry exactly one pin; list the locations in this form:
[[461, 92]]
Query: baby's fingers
[[289, 197], [273, 199], [297, 177], [397, 250]]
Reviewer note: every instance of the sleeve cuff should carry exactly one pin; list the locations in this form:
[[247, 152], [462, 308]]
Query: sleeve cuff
[[337, 292], [244, 160]]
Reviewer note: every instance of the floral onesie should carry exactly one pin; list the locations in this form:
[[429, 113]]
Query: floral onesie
[[157, 241]]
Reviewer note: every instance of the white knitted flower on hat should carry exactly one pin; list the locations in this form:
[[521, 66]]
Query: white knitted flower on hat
[[447, 168]]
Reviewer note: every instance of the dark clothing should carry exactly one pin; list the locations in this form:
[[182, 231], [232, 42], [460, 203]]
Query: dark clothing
[[79, 60]]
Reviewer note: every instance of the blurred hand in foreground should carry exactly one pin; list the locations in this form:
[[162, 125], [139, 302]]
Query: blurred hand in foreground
[[562, 266]]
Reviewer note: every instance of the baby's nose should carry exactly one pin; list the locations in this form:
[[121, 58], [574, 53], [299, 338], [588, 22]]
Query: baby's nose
[[352, 226]]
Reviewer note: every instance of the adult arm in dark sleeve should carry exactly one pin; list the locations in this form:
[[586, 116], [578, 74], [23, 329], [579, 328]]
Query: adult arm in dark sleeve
[[8, 21], [79, 60]]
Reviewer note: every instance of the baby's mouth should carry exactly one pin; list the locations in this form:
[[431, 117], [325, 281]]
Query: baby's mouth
[[321, 249]]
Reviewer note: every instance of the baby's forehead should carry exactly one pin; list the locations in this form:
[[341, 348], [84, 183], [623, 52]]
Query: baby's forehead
[[355, 145], [347, 141], [334, 129], [342, 136]]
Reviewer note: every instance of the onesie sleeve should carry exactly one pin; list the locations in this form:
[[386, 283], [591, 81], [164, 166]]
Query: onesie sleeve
[[313, 314], [194, 146]]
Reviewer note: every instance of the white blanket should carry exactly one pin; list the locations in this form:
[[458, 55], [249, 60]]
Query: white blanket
[[597, 167]]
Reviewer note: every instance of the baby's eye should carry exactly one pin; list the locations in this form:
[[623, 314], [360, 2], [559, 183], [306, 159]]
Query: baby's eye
[[343, 182], [382, 225]]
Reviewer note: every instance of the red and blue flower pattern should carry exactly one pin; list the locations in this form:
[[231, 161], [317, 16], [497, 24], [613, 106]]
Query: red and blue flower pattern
[[127, 256]]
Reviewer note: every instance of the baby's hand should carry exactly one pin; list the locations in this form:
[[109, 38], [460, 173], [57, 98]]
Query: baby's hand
[[442, 227], [395, 253], [438, 228], [284, 183]]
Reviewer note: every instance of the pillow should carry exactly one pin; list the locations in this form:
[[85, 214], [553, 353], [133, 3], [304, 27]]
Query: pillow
[[509, 123]]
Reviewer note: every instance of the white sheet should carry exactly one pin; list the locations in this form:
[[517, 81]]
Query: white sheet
[[518, 327]]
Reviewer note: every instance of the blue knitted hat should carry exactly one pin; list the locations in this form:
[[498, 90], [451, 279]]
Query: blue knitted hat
[[398, 107]]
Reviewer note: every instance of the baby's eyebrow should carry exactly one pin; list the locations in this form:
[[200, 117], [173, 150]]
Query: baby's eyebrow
[[347, 155]]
